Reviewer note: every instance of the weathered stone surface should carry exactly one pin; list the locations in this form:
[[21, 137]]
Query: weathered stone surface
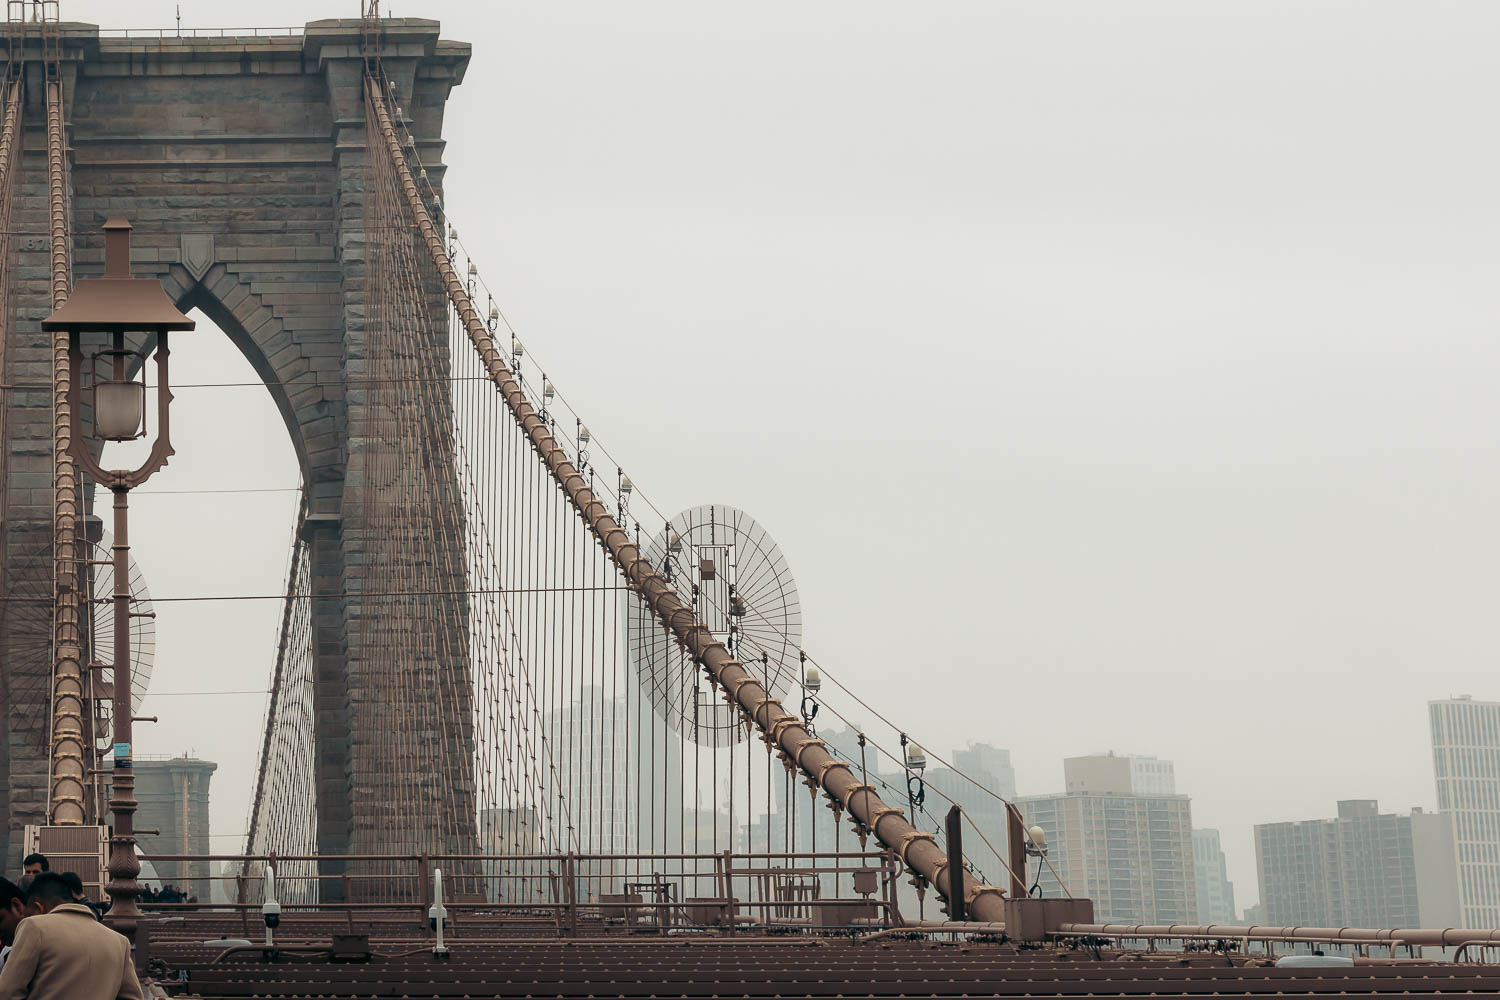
[[241, 163]]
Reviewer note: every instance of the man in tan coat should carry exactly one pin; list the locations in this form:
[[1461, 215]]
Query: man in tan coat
[[64, 953]]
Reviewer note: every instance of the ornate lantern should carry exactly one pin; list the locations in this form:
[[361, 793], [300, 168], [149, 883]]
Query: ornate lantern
[[118, 305]]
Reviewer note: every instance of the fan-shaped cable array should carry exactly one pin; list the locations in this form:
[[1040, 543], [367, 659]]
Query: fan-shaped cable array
[[597, 687]]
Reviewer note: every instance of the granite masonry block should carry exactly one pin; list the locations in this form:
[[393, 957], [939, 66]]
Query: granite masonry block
[[237, 138]]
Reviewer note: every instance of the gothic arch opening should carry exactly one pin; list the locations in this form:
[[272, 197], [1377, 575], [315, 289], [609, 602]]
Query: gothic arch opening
[[216, 522]]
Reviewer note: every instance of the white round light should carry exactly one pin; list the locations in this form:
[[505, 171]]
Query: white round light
[[118, 410]]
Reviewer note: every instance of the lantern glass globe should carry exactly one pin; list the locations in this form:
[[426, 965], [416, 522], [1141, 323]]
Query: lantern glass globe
[[118, 410]]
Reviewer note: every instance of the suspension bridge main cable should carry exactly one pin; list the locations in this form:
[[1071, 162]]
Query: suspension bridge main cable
[[68, 763], [915, 848], [496, 312], [561, 397]]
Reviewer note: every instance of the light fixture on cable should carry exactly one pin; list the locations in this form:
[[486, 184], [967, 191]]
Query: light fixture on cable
[[1035, 847], [1036, 842], [674, 549], [812, 683], [914, 758]]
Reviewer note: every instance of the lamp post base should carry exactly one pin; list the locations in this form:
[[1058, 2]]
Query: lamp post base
[[123, 888]]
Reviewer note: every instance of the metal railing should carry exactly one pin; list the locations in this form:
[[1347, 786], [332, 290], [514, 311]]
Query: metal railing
[[498, 896], [724, 892]]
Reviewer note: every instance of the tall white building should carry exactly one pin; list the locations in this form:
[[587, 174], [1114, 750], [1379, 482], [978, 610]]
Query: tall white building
[[1130, 852], [616, 781], [990, 767], [1215, 891], [1466, 765], [593, 764], [1364, 868], [1150, 776]]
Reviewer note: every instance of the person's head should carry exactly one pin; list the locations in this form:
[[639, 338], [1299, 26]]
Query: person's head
[[35, 864], [48, 891], [12, 910], [75, 884]]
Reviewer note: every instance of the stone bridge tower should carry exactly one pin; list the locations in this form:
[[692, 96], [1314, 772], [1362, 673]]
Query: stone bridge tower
[[241, 162]]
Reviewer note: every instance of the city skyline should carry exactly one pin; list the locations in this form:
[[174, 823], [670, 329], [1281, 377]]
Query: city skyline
[[969, 753], [1251, 522], [668, 472], [1217, 898]]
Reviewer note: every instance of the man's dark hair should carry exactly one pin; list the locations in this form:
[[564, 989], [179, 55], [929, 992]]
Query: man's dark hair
[[36, 859], [75, 884], [49, 889], [8, 892]]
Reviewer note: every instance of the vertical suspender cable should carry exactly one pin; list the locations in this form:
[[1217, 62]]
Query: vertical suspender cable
[[917, 850]]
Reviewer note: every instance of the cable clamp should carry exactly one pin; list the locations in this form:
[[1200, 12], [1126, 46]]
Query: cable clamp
[[803, 747], [770, 719], [850, 794], [781, 723], [880, 813], [907, 838], [733, 687], [829, 765], [754, 710], [976, 891]]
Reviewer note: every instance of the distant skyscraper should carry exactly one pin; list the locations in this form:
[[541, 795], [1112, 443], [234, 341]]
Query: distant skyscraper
[[593, 768], [1132, 853], [1149, 776], [1135, 773], [1466, 765], [616, 783], [1362, 869], [173, 797], [989, 767], [1215, 891]]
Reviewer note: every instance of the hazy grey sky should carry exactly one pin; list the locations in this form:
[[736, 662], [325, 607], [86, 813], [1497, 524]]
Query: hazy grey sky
[[1113, 375]]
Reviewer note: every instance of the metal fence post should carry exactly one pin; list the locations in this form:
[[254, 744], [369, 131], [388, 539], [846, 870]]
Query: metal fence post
[[424, 867], [570, 888], [957, 908], [728, 897]]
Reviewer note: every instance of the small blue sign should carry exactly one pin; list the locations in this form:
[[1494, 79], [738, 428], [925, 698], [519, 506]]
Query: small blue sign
[[122, 750]]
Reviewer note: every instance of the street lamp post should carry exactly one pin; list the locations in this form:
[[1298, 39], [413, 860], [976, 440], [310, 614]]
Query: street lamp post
[[116, 305]]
